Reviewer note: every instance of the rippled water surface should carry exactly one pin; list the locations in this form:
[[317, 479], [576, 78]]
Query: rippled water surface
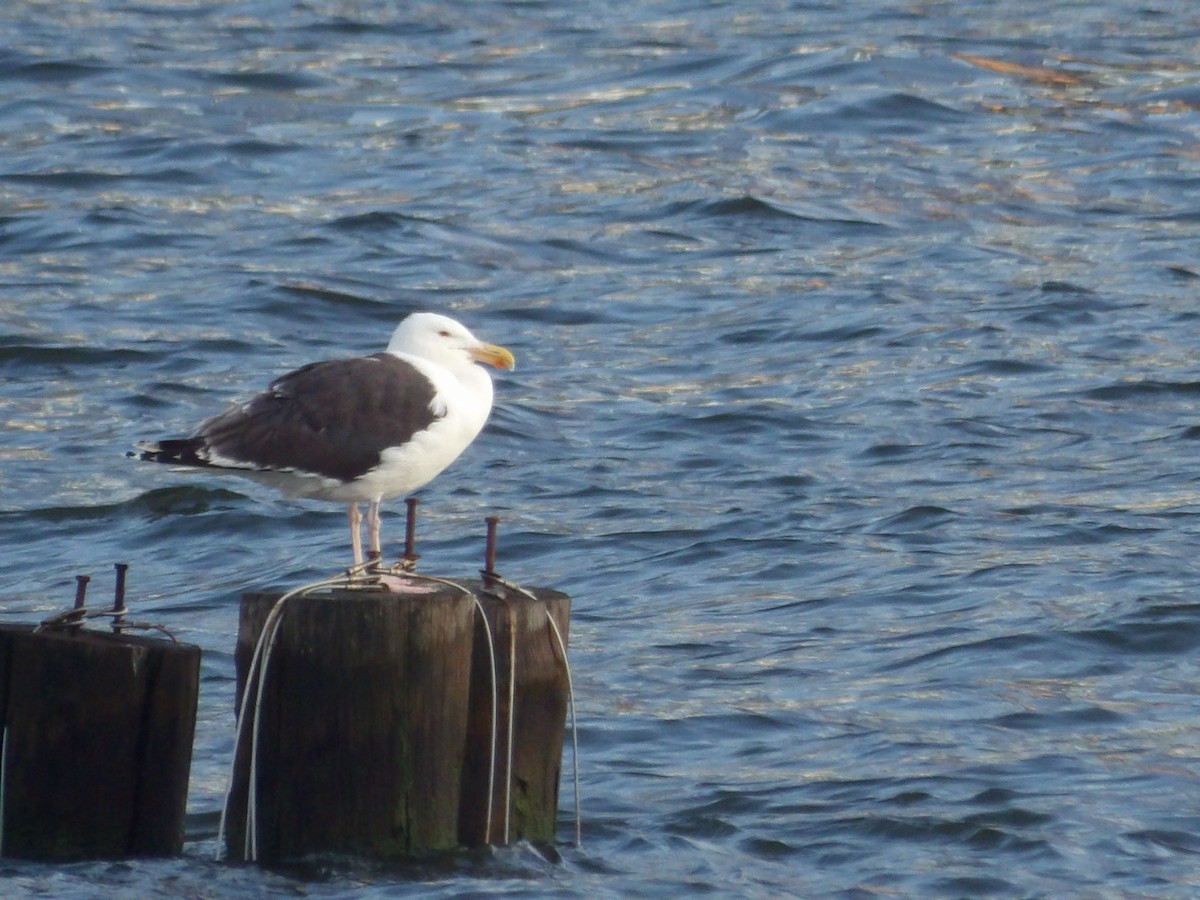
[[856, 405]]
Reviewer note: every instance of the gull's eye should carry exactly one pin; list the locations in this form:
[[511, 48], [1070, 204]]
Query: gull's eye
[[444, 333]]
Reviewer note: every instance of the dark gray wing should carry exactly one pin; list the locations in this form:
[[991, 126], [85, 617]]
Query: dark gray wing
[[330, 418]]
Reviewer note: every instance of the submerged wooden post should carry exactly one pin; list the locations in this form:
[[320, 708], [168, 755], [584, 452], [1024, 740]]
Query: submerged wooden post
[[96, 745], [363, 720], [530, 687]]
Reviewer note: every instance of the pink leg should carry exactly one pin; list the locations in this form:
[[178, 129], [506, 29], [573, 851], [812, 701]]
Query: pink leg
[[356, 532], [373, 528]]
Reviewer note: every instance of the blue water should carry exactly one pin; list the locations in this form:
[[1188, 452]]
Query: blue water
[[855, 408]]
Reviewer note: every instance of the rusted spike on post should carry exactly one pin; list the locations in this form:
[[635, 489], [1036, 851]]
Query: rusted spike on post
[[81, 583], [119, 596], [489, 557], [410, 532]]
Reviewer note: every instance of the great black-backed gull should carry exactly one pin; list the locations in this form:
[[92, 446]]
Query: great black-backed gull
[[355, 430]]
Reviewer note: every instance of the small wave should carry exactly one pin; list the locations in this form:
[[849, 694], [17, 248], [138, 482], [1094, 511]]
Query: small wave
[[750, 207], [259, 148], [156, 503], [1005, 368], [1066, 287], [73, 178], [1168, 839], [1185, 273], [345, 25], [1007, 645], [1058, 718], [16, 356], [891, 113], [1134, 390], [183, 501], [1156, 630], [556, 314], [52, 71], [86, 179], [270, 81], [376, 220], [327, 295]]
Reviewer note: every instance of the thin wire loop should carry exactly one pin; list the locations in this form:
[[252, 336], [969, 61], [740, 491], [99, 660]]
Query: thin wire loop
[[491, 647], [257, 671], [562, 646], [73, 619]]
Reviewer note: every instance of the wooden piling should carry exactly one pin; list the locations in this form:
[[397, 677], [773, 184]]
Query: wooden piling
[[531, 682], [96, 744], [376, 729], [363, 719]]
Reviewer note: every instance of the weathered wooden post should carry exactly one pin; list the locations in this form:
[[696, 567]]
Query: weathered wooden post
[[522, 768], [96, 741], [398, 715], [358, 744]]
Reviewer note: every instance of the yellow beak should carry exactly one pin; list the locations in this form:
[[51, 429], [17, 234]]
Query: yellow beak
[[493, 355]]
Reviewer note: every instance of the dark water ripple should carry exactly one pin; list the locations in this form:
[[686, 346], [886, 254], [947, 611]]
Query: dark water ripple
[[855, 408]]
